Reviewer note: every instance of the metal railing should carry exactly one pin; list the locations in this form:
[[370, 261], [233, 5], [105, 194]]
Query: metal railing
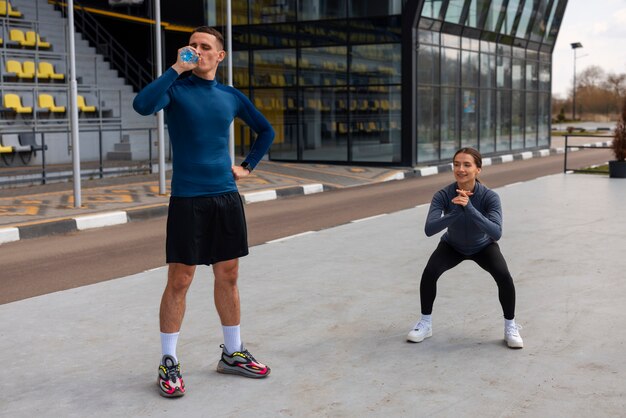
[[11, 175], [584, 146]]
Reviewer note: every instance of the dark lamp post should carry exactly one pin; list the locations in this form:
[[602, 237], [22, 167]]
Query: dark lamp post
[[575, 46]]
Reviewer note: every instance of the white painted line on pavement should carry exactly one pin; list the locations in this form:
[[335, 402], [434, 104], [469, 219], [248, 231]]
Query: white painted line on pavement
[[312, 188], [527, 155], [487, 161], [9, 235], [260, 196], [100, 220], [289, 237], [514, 184], [507, 158], [369, 218]]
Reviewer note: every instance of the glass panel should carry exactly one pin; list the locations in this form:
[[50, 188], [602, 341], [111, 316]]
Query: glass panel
[[240, 69], [272, 11], [487, 70], [503, 72], [493, 16], [280, 109], [274, 68], [530, 140], [503, 142], [376, 64], [450, 40], [544, 120], [544, 76], [427, 124], [321, 9], [522, 27], [487, 121], [428, 64], [532, 75], [517, 121], [376, 30], [428, 37], [216, 12], [364, 8], [323, 33], [455, 9], [556, 23], [509, 19], [273, 36], [450, 66], [469, 131], [469, 69], [324, 129], [375, 124], [449, 122], [517, 74], [476, 9], [552, 25], [323, 66], [539, 25], [432, 8]]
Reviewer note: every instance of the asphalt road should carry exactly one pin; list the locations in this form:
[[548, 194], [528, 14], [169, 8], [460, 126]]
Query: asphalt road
[[43, 265]]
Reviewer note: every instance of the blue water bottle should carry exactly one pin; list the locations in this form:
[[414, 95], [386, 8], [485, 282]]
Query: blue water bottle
[[187, 55]]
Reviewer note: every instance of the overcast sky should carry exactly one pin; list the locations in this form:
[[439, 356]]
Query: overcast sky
[[600, 26]]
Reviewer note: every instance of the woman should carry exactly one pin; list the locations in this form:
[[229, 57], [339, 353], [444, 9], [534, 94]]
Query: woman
[[472, 214]]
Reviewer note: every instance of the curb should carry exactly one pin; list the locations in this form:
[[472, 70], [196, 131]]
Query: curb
[[102, 219], [98, 220]]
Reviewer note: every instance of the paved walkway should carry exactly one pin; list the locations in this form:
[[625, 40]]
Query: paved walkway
[[329, 312]]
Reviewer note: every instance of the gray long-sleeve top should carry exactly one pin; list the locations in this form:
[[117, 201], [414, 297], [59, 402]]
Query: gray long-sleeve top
[[470, 228]]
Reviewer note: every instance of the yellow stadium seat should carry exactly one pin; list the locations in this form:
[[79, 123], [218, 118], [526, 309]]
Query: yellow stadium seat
[[46, 71], [46, 101], [14, 68], [33, 39], [29, 69], [13, 101], [7, 10], [82, 106], [16, 35]]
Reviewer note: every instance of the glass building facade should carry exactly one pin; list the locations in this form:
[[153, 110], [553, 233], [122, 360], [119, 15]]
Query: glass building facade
[[394, 82]]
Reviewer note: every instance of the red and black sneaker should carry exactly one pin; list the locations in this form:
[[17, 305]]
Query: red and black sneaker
[[242, 363], [170, 380]]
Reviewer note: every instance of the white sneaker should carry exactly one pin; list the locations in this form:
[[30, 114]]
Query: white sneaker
[[512, 337], [420, 331]]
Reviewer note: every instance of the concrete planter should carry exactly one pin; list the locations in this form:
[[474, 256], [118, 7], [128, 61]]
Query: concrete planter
[[617, 169]]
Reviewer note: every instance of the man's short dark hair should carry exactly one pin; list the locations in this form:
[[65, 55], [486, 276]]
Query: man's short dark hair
[[210, 31]]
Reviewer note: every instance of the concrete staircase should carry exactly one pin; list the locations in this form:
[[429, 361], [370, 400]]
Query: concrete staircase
[[96, 78]]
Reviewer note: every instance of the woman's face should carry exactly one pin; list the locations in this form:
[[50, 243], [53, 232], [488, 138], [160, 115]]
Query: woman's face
[[465, 169]]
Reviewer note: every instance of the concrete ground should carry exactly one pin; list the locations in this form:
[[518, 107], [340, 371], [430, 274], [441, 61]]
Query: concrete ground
[[329, 311]]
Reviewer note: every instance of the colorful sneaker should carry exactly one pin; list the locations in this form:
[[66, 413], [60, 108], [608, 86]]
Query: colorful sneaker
[[241, 363], [420, 331], [170, 381], [512, 337]]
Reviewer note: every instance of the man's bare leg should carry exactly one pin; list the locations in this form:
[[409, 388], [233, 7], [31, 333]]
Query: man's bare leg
[[173, 302]]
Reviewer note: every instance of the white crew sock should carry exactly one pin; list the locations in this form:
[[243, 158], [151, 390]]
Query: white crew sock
[[168, 344], [232, 338], [509, 323], [427, 319]]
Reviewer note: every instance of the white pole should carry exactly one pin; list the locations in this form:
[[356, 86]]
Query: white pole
[[74, 107], [229, 53], [160, 118]]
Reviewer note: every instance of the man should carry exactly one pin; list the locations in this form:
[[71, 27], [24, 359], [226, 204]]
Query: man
[[206, 221]]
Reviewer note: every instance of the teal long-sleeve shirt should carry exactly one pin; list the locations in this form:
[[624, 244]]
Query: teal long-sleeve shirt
[[470, 228], [198, 113]]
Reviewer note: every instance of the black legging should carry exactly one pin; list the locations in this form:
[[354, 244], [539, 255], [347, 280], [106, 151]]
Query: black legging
[[490, 259]]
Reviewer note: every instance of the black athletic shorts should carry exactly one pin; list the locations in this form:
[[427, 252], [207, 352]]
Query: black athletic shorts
[[206, 229]]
